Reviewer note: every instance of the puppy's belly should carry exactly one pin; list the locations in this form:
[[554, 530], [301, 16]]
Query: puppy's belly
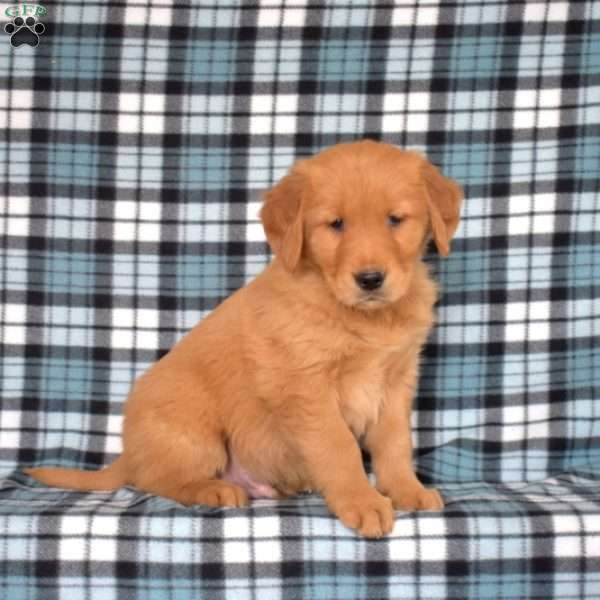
[[263, 461], [236, 473]]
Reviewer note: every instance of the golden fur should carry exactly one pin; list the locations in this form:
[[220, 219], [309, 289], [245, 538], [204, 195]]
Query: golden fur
[[292, 372]]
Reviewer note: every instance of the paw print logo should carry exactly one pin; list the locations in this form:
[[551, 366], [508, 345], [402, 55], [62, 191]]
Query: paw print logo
[[24, 31]]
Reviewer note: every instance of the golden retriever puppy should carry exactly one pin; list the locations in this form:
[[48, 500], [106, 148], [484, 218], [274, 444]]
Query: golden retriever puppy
[[275, 391]]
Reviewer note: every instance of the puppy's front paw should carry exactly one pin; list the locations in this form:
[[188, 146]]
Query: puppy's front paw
[[416, 497], [370, 513]]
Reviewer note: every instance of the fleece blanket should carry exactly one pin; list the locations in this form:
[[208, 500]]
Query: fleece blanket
[[136, 140]]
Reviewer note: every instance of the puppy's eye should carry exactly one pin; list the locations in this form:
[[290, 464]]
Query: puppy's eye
[[394, 220], [337, 224]]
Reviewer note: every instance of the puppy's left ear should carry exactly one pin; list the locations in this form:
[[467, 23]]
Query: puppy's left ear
[[444, 199], [282, 217]]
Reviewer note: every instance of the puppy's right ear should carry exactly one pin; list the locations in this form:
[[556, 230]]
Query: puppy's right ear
[[282, 217]]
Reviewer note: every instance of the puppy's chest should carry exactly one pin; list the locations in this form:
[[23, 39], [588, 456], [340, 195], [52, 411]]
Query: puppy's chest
[[361, 393], [363, 375]]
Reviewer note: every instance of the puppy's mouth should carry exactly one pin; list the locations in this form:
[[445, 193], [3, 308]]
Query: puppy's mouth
[[347, 293], [371, 300]]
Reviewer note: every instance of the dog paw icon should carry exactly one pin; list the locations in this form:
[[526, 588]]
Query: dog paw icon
[[24, 31]]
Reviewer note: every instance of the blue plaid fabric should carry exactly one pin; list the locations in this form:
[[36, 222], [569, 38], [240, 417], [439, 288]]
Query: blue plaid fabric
[[136, 139]]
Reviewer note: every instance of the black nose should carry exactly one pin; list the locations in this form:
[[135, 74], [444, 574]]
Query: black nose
[[369, 280]]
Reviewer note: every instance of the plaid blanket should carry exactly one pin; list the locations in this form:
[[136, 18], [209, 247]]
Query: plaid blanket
[[136, 139]]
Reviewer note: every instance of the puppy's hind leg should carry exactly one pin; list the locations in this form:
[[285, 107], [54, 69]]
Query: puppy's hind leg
[[175, 453], [188, 471]]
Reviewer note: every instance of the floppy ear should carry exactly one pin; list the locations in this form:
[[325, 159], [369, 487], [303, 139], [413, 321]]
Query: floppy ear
[[444, 198], [282, 218]]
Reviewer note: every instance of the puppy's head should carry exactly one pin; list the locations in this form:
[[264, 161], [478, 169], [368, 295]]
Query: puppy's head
[[362, 214]]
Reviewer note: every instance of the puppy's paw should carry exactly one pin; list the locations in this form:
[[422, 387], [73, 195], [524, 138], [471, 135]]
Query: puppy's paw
[[416, 497], [370, 513], [221, 493]]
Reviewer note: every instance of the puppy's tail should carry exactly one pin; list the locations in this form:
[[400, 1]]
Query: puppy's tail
[[109, 478]]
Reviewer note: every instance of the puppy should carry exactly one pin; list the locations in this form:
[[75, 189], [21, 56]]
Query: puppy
[[275, 391]]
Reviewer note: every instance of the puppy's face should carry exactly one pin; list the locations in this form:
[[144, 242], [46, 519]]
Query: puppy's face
[[361, 213], [365, 228]]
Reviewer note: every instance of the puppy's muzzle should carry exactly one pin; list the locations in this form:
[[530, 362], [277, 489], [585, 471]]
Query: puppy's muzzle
[[369, 281]]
